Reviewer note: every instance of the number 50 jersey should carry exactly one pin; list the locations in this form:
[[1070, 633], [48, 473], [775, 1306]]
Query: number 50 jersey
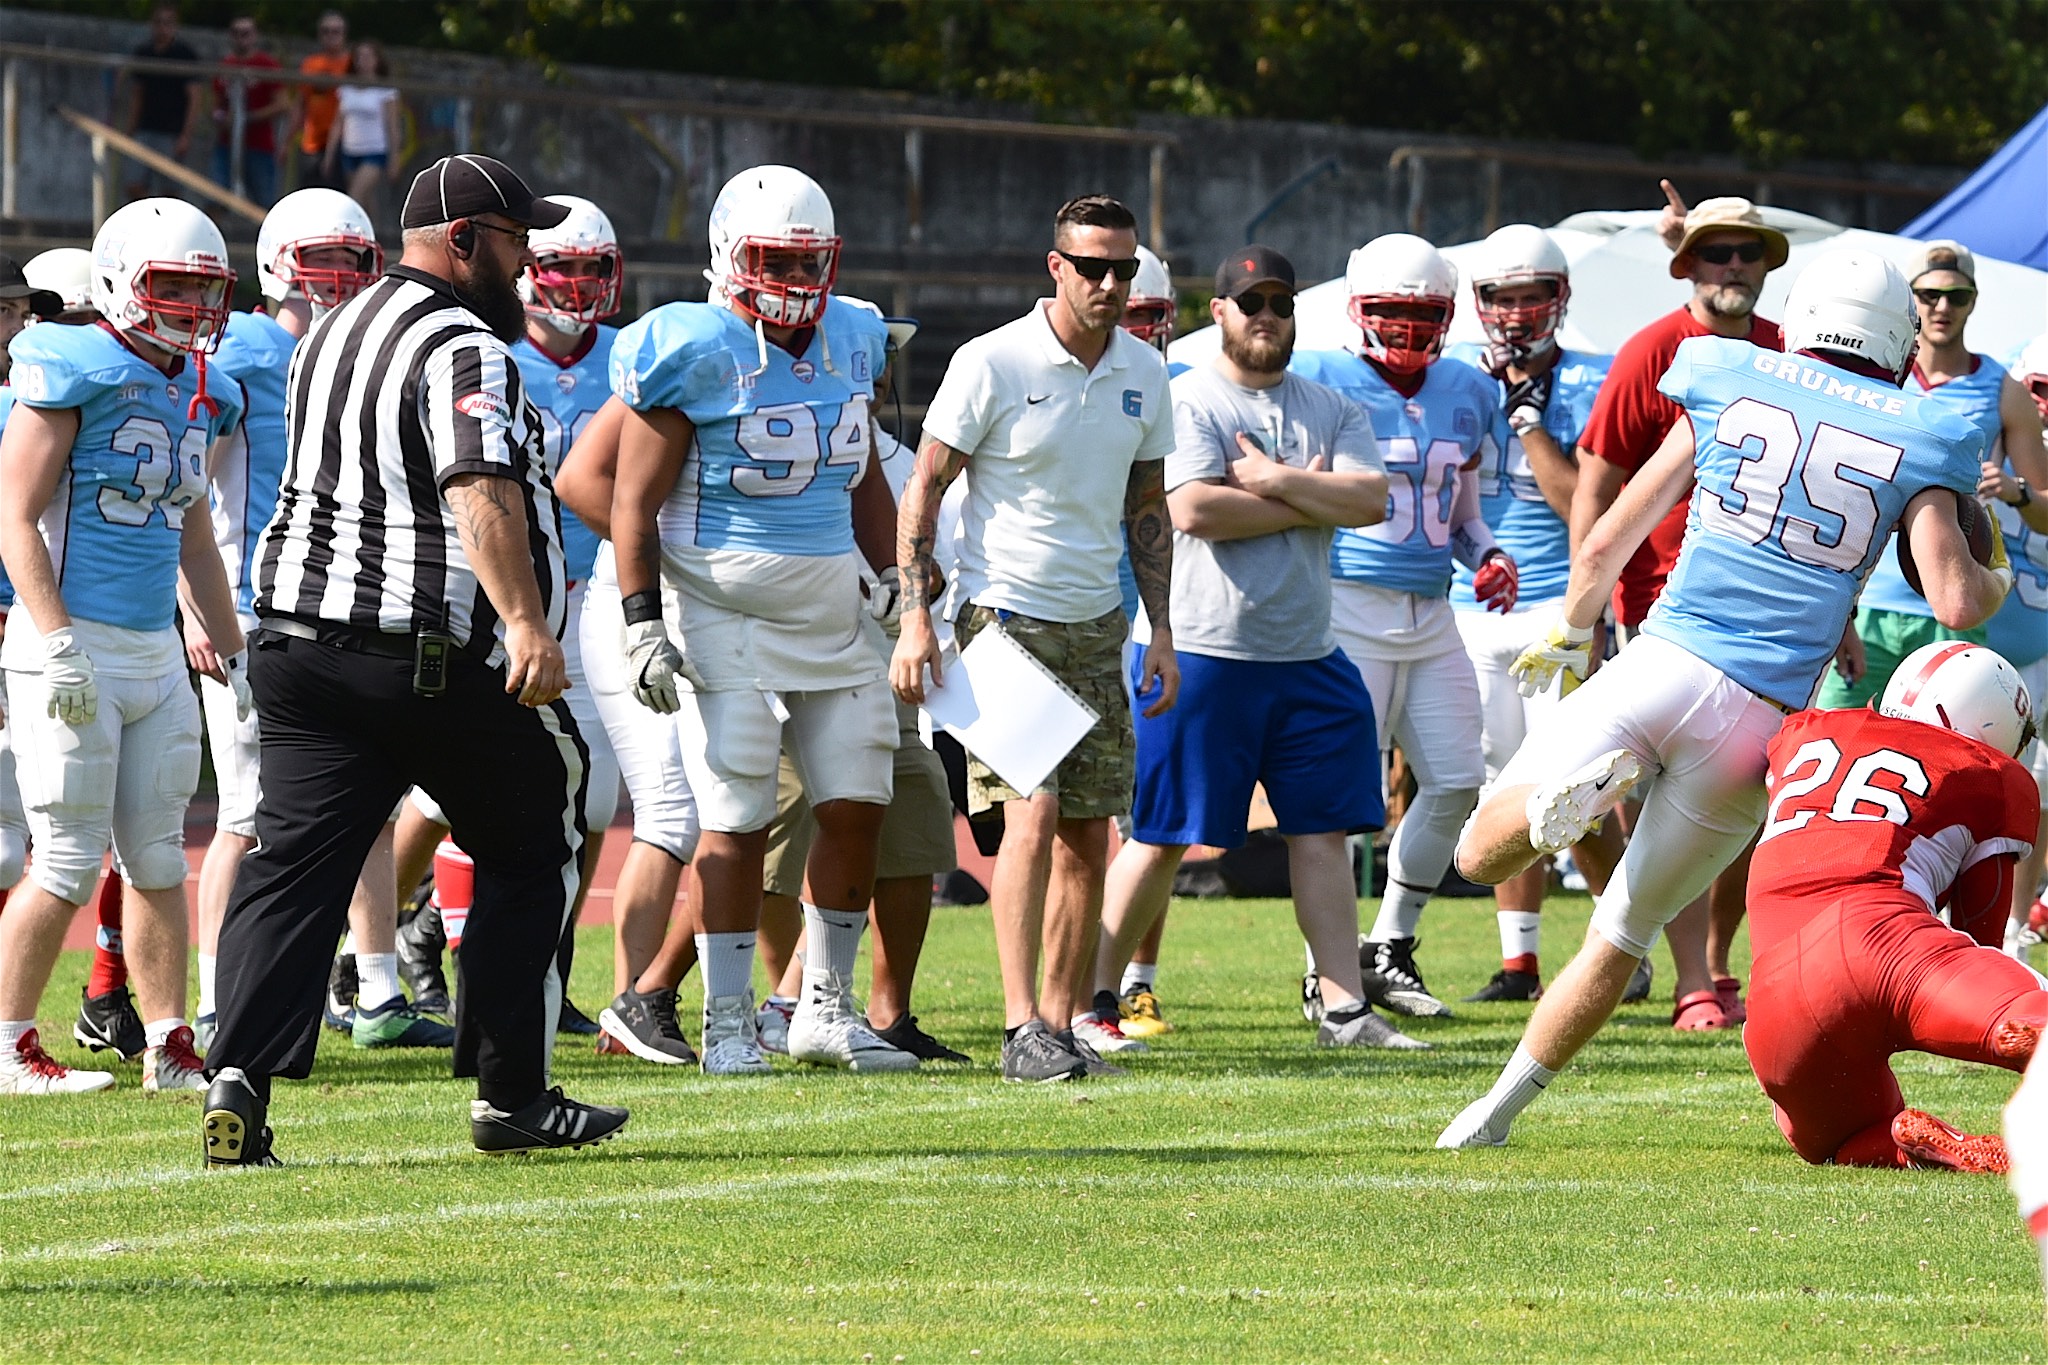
[[1803, 469]]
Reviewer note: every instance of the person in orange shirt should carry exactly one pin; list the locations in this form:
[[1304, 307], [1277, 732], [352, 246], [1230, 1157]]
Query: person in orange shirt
[[319, 104]]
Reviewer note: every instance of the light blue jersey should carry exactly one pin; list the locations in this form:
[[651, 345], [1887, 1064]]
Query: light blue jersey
[[256, 352], [776, 452], [1802, 471], [6, 585], [2020, 629], [568, 393], [1974, 398], [1425, 441], [1509, 500], [137, 463]]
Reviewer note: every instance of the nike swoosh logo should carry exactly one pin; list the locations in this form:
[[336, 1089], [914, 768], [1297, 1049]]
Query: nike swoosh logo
[[1036, 398], [1601, 785]]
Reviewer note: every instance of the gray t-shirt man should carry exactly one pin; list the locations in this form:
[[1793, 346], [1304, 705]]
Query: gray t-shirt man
[[1264, 598]]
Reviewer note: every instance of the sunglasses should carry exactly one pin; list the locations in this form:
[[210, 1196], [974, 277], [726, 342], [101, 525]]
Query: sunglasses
[[518, 235], [1093, 268], [1959, 297], [1720, 253], [1252, 303]]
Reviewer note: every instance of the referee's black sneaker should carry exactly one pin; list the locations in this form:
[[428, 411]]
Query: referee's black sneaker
[[110, 1021], [553, 1120], [232, 1127]]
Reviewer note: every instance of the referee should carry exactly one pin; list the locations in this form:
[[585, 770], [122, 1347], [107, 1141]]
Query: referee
[[411, 593]]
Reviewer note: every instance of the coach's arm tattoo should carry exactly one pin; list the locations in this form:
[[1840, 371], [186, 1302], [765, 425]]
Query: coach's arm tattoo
[[917, 521], [1149, 531]]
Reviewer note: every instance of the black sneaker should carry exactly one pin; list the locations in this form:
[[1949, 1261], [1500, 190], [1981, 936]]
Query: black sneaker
[[338, 1012], [1091, 1060], [232, 1129], [553, 1120], [906, 1036], [1638, 984], [573, 1020], [110, 1021], [1507, 985], [1394, 982], [421, 941], [646, 1026], [1033, 1054]]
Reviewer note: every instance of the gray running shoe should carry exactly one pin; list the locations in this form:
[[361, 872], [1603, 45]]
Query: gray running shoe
[[1033, 1055], [1363, 1028], [1091, 1060], [646, 1026]]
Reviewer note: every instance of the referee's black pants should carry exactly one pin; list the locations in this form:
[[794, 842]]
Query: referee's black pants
[[343, 737]]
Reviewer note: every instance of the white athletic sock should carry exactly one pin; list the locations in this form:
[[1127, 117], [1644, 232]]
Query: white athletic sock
[[1400, 912], [1139, 976], [209, 966], [833, 937], [376, 980], [1521, 1081], [1519, 930], [728, 963], [10, 1034], [158, 1031]]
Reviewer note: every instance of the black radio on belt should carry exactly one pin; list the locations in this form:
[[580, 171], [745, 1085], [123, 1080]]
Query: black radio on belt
[[431, 651]]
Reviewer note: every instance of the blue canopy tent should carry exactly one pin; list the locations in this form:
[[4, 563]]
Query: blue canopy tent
[[2002, 209]]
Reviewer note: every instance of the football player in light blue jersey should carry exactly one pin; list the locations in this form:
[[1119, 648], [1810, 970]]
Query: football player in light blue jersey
[[104, 453], [745, 476], [1892, 620], [1798, 465], [1435, 420], [1521, 284], [2020, 630]]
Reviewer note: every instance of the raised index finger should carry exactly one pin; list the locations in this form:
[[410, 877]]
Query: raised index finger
[[1671, 195]]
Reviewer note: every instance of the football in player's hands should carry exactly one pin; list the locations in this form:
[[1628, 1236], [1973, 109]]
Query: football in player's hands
[[1975, 523]]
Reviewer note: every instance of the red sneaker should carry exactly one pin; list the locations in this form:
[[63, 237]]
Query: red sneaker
[[1699, 1012], [2015, 1038], [1930, 1142], [1728, 990]]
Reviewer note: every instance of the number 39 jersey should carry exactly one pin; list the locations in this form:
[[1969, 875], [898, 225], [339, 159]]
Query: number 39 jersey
[[1802, 471], [1859, 800], [568, 392], [136, 465], [1425, 441], [777, 451]]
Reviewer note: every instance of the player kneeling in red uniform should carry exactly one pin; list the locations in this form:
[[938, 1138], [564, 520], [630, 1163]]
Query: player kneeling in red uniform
[[1878, 821]]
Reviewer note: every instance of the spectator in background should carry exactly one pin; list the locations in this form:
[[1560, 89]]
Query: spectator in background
[[163, 109], [317, 103], [261, 102], [363, 152]]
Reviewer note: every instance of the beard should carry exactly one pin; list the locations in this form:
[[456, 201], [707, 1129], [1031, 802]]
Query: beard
[[494, 300], [1731, 301], [1259, 355]]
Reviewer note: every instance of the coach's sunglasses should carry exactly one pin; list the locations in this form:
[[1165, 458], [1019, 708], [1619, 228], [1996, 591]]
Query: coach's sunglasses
[[1962, 296], [1093, 268], [1720, 253], [1251, 303]]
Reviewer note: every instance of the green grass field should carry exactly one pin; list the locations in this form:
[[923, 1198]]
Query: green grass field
[[1241, 1195]]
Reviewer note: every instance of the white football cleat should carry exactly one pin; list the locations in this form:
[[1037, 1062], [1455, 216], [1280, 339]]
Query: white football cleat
[[827, 1030], [771, 1023], [731, 1045], [175, 1065], [1475, 1127], [29, 1070], [1105, 1035], [1561, 812]]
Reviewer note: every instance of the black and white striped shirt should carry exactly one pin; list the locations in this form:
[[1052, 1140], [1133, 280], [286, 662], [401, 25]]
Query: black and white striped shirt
[[390, 396]]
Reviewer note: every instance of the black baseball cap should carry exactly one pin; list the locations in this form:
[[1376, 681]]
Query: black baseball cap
[[14, 285], [462, 186], [1250, 265]]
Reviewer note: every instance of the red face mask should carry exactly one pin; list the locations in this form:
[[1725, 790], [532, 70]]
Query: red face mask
[[1403, 345]]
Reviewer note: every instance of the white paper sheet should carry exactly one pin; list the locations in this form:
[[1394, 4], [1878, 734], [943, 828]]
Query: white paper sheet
[[1008, 710]]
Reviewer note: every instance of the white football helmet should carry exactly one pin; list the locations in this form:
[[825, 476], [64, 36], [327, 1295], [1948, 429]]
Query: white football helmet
[[1965, 688], [571, 303], [772, 209], [2030, 369], [1856, 303], [1150, 310], [1401, 269], [1521, 253], [138, 248], [65, 271], [304, 221]]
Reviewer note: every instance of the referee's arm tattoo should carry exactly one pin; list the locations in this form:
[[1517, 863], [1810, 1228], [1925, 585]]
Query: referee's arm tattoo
[[917, 522], [1150, 534]]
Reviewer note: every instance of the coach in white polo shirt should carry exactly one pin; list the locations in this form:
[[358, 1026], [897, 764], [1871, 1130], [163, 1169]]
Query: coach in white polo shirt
[[1062, 424]]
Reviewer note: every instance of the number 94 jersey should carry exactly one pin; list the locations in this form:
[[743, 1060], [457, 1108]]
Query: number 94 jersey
[[1803, 469], [1425, 441], [136, 465], [776, 451]]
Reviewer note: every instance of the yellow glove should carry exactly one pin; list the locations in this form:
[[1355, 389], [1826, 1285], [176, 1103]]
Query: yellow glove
[[1567, 650], [2001, 563]]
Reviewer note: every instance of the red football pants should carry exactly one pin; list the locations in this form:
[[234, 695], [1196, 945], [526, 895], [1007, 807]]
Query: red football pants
[[1870, 976]]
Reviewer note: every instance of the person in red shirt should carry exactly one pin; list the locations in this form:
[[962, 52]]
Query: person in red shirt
[[262, 101], [1878, 822], [1725, 248]]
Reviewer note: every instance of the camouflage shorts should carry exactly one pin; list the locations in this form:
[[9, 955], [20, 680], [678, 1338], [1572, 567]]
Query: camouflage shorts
[[1097, 779]]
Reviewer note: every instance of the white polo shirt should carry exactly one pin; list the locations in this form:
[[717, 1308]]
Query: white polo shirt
[[1049, 444]]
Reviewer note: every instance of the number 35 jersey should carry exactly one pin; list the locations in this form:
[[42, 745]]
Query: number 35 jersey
[[568, 393], [136, 465], [1425, 441], [1802, 471]]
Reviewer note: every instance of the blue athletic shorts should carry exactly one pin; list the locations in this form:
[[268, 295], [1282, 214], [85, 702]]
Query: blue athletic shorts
[[1305, 730]]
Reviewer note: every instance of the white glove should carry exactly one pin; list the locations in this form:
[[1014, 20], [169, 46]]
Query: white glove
[[74, 696], [653, 663], [236, 666], [1567, 650], [885, 598]]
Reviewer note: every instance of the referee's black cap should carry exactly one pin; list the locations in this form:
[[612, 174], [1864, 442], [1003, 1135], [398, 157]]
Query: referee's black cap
[[459, 186]]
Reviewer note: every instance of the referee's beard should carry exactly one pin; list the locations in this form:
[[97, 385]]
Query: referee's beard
[[493, 298]]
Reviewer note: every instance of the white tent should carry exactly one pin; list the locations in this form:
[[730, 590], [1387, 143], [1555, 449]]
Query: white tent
[[1621, 280]]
